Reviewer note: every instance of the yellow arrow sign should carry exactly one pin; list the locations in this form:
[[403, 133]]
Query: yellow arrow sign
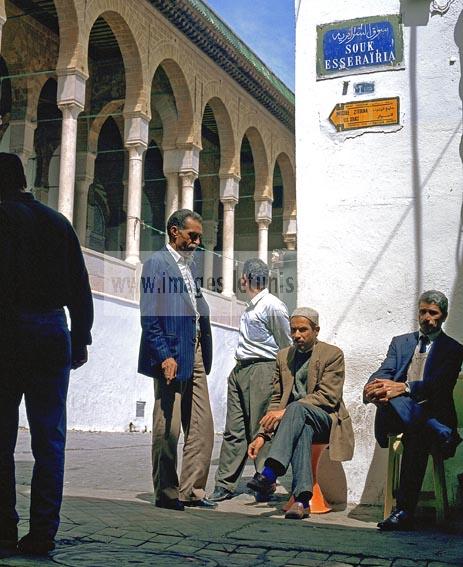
[[365, 114]]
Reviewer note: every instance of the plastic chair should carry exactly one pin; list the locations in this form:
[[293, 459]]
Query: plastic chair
[[395, 451], [318, 504], [441, 503]]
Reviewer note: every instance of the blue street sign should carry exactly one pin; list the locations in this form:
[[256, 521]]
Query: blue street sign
[[360, 45]]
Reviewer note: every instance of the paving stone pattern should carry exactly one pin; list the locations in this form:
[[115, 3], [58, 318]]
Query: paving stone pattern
[[108, 518]]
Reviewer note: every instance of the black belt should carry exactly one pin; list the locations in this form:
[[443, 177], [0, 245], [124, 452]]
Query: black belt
[[248, 361]]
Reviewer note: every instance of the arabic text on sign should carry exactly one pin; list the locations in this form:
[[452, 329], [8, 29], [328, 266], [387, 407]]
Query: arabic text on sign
[[353, 115], [364, 45]]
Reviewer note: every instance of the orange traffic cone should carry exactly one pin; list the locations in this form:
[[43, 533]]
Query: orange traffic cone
[[318, 504]]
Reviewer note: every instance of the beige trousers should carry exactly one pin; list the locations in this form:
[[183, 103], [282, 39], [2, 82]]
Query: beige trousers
[[182, 404]]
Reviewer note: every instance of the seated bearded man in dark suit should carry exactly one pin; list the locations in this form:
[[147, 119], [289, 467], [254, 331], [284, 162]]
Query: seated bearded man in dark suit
[[413, 392], [307, 407]]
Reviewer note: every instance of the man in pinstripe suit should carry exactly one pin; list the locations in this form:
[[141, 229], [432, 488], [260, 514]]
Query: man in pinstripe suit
[[176, 350]]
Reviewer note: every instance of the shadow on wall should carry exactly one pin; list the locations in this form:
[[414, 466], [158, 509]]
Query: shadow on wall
[[333, 482], [454, 324], [375, 480]]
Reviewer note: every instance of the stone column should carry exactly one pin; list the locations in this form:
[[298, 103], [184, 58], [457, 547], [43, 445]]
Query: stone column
[[171, 194], [171, 165], [188, 189], [136, 142], [209, 241], [85, 168], [229, 194], [290, 233], [188, 168], [263, 213], [22, 138], [263, 239], [2, 21], [71, 102]]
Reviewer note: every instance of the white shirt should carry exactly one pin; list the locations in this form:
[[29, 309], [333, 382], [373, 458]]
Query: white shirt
[[187, 276], [264, 328]]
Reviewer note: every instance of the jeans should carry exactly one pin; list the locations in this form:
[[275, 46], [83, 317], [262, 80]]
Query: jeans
[[35, 361]]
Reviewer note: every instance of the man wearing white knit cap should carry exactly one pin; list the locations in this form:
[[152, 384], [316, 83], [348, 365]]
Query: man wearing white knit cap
[[306, 407]]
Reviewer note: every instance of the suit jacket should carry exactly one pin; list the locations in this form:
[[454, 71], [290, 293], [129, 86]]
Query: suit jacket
[[168, 319], [324, 389], [441, 371]]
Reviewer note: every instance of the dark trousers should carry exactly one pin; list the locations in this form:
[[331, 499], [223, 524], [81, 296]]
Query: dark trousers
[[249, 391], [410, 418], [35, 362], [302, 425]]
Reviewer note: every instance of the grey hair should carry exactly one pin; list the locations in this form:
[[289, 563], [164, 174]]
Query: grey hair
[[179, 218], [256, 272], [436, 297]]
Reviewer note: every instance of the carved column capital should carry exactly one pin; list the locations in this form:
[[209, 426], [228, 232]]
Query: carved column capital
[[136, 150], [71, 90], [188, 177], [290, 233], [136, 129], [263, 223], [70, 110], [229, 189], [263, 210], [188, 159], [290, 241]]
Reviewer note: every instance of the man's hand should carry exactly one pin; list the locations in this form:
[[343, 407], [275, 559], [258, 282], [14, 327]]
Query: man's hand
[[255, 447], [381, 390], [271, 419], [169, 367], [79, 357]]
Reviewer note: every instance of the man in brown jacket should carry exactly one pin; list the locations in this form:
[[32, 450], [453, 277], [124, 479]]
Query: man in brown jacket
[[306, 407]]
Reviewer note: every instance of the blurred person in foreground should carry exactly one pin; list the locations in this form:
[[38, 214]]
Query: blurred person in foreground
[[42, 270]]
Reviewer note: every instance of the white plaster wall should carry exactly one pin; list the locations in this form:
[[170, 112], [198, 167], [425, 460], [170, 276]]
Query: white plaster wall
[[379, 211], [103, 393]]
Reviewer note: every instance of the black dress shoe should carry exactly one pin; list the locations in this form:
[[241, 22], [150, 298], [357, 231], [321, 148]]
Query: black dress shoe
[[449, 446], [170, 504], [220, 494], [203, 503], [32, 544], [398, 520], [259, 483], [266, 496]]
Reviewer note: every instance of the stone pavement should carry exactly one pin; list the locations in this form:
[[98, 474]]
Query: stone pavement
[[108, 519]]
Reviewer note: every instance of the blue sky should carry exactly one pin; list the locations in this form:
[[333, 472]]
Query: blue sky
[[267, 26]]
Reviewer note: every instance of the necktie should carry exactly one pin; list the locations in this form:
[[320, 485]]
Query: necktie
[[424, 341]]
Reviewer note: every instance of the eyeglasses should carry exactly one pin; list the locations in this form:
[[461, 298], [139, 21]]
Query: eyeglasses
[[193, 236]]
